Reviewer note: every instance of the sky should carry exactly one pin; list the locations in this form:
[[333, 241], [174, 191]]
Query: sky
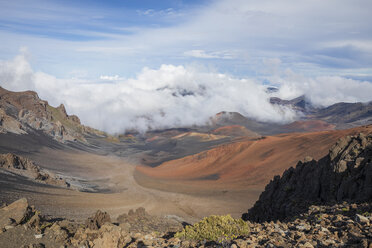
[[152, 64]]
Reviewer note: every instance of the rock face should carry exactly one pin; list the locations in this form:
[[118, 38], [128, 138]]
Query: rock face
[[25, 167], [22, 112], [23, 226], [340, 225], [96, 221], [14, 214], [345, 174], [300, 103]]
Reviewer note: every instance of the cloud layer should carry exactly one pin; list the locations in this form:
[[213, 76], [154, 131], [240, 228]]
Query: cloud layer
[[314, 37], [174, 96]]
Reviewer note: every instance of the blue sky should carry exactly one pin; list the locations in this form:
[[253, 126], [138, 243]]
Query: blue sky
[[120, 65], [93, 38]]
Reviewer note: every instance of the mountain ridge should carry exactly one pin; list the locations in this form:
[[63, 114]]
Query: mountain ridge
[[344, 174]]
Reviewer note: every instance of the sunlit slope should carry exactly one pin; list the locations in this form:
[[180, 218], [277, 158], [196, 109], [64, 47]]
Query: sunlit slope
[[246, 163]]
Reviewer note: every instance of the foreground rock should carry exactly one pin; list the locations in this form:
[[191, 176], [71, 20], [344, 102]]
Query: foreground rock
[[340, 225], [142, 222], [345, 174], [25, 167], [23, 226], [14, 214]]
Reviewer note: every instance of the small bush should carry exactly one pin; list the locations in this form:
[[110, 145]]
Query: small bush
[[215, 228], [366, 214]]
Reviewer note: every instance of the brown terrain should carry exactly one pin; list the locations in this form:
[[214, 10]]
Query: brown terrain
[[334, 183], [246, 165], [235, 131], [68, 170], [309, 126]]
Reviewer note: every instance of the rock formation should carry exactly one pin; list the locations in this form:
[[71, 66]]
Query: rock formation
[[16, 213], [25, 167], [340, 225], [22, 112], [23, 226], [345, 174]]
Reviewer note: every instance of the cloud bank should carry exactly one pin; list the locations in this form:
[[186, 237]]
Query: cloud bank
[[312, 37], [174, 96]]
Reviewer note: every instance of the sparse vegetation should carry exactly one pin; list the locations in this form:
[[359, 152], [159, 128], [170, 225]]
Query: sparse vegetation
[[45, 225], [366, 214], [215, 228]]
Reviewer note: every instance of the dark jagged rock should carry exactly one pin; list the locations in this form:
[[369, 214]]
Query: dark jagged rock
[[300, 103], [25, 167], [96, 221], [345, 174], [340, 225]]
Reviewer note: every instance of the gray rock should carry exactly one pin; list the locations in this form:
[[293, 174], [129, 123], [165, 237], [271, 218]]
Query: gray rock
[[361, 219], [15, 214]]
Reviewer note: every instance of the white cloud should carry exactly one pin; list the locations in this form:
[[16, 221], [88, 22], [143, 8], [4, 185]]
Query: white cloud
[[170, 96], [208, 55], [109, 78], [156, 13], [324, 90], [174, 96], [296, 32], [17, 73]]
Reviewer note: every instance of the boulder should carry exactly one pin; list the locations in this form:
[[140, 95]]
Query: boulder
[[96, 221], [16, 213], [111, 236], [361, 219]]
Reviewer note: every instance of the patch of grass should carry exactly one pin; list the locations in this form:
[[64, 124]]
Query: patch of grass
[[215, 228], [366, 214], [45, 225], [58, 116], [319, 217]]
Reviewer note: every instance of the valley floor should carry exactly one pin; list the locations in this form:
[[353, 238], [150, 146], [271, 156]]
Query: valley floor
[[115, 183], [116, 190]]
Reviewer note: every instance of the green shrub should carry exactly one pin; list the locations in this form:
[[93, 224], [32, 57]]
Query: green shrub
[[215, 228], [366, 214]]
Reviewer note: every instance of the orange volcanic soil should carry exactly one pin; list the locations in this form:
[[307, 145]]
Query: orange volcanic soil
[[244, 164], [310, 126], [235, 130]]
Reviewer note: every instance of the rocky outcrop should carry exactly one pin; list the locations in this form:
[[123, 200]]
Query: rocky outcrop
[[98, 220], [23, 226], [22, 112], [25, 167], [340, 225], [14, 214], [10, 124], [301, 104], [345, 174]]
